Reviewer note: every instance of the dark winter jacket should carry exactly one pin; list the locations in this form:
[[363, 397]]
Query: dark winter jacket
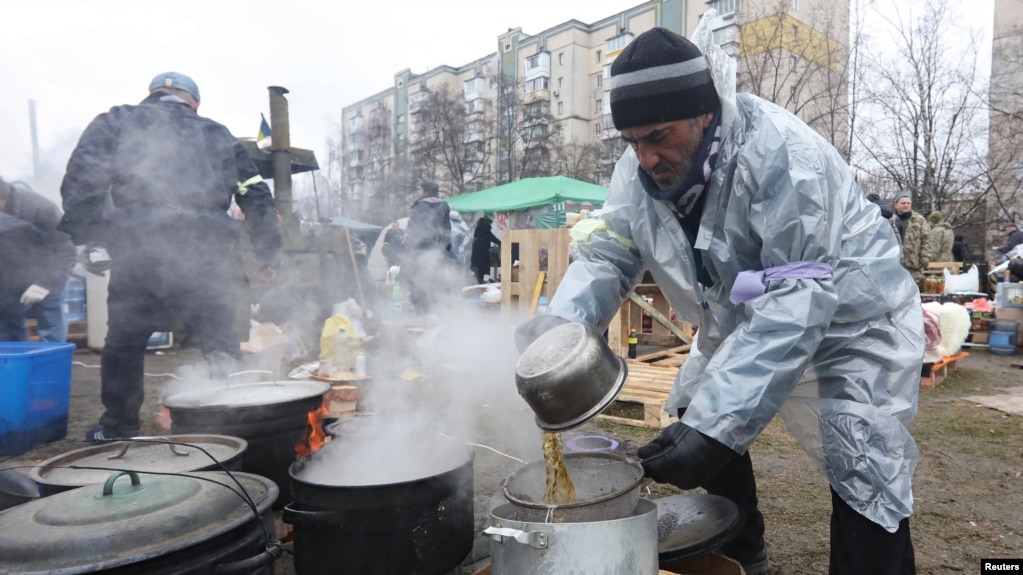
[[1015, 238], [961, 251], [482, 237], [160, 165], [23, 256], [429, 225], [58, 258]]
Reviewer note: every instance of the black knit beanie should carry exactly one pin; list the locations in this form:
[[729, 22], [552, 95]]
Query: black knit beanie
[[660, 77]]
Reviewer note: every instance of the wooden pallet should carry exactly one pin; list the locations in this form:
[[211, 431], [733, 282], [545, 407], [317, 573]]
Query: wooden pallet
[[648, 385], [939, 371]]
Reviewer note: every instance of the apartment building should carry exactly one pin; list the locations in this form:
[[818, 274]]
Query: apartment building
[[1005, 128], [538, 105]]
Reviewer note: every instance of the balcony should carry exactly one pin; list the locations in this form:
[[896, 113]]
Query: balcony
[[538, 65]]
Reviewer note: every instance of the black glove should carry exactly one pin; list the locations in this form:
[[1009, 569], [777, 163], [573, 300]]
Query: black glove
[[683, 457], [527, 333]]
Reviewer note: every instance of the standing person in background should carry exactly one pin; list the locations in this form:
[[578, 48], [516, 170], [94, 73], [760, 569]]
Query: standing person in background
[[1013, 238], [43, 299], [917, 247], [393, 238], [942, 236], [152, 183], [961, 251], [427, 247], [482, 237], [754, 228]]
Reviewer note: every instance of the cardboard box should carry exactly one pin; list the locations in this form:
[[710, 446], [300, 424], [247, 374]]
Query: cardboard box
[[262, 337]]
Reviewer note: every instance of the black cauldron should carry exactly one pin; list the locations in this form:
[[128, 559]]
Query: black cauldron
[[194, 524], [271, 416], [422, 526]]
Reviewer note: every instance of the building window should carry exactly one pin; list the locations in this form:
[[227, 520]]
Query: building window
[[792, 94], [561, 58], [617, 43], [795, 32], [724, 6], [541, 83], [599, 55], [607, 71], [793, 63], [401, 118], [532, 61], [599, 80], [596, 129], [561, 83], [561, 108], [598, 105], [795, 4]]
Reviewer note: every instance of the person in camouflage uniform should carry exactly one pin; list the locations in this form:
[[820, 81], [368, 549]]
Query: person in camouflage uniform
[[942, 236], [917, 247]]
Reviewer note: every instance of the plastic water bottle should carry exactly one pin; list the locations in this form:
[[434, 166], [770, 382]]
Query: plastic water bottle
[[360, 364], [341, 352]]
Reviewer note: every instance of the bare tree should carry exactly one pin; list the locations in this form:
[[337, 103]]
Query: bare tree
[[450, 142], [528, 134], [801, 65], [925, 130], [579, 161]]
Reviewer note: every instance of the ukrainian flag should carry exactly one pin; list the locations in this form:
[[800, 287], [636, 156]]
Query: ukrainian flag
[[264, 129]]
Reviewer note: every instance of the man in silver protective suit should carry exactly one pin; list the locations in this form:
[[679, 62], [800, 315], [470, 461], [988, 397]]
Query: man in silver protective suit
[[756, 231]]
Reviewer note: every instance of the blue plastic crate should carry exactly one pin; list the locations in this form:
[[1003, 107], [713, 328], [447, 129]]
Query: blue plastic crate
[[35, 388]]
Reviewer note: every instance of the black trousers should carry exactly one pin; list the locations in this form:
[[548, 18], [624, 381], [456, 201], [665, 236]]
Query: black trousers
[[858, 545], [152, 292]]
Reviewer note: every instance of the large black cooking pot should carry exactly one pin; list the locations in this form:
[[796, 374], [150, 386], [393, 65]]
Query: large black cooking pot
[[421, 526], [195, 524], [171, 454], [271, 416]]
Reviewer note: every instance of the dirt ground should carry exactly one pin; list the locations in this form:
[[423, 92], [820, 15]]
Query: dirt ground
[[968, 485]]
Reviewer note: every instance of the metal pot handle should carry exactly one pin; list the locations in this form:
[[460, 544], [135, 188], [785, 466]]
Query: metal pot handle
[[252, 564], [273, 378], [293, 516], [175, 449], [535, 539], [108, 487]]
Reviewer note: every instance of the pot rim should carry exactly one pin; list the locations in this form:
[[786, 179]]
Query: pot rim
[[205, 398], [304, 460], [558, 507]]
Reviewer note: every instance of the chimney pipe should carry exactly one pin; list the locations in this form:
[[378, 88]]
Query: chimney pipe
[[280, 148]]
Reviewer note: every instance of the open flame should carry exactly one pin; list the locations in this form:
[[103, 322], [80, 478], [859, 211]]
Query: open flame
[[315, 438]]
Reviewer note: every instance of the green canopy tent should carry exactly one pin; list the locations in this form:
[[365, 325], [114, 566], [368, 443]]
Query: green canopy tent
[[529, 193]]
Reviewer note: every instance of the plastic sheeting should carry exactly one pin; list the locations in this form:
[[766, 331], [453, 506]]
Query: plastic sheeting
[[839, 359]]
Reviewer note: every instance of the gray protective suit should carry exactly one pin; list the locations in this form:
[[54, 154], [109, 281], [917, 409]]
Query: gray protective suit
[[839, 359]]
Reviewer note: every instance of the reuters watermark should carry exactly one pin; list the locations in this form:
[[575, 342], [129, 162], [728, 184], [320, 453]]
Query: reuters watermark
[[995, 566]]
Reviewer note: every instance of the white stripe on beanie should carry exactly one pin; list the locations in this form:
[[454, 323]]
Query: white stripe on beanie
[[663, 72]]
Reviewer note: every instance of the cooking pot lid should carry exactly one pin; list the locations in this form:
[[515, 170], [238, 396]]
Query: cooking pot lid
[[152, 454], [248, 394], [129, 518], [693, 523]]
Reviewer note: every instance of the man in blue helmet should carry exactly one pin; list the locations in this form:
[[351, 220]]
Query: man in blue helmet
[[147, 193]]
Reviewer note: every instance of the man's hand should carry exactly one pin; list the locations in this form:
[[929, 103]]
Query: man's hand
[[34, 294], [683, 457], [527, 333], [93, 258]]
